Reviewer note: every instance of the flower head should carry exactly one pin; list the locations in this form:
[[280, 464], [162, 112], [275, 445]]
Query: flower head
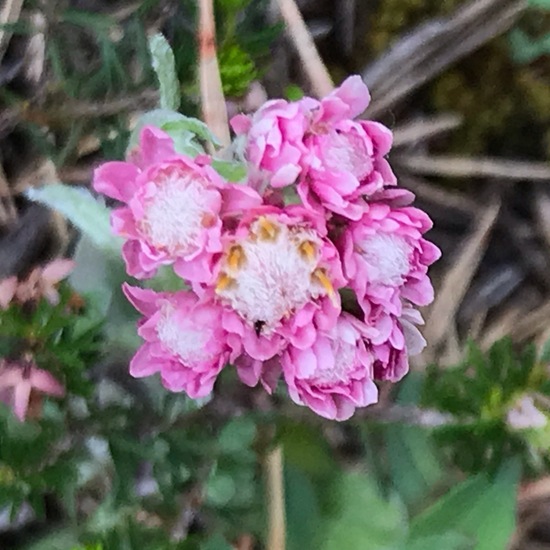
[[174, 208], [41, 282], [184, 340], [278, 279], [19, 382], [335, 375], [335, 160], [386, 258]]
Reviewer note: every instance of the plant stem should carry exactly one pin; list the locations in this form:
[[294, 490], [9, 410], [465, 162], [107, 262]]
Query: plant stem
[[275, 499], [214, 110], [312, 63]]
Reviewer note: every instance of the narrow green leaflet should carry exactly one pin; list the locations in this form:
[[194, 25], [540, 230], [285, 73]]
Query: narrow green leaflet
[[164, 65], [82, 210]]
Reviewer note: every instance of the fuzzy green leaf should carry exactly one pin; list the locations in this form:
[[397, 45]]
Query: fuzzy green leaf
[[82, 210], [164, 65]]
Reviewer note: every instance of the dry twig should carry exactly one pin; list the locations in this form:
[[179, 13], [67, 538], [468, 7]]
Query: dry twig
[[312, 63], [475, 167], [458, 278], [213, 102]]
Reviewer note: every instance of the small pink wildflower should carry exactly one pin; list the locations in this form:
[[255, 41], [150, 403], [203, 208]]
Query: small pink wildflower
[[278, 280], [41, 282], [334, 376], [18, 383], [174, 208], [386, 258], [335, 160], [184, 340]]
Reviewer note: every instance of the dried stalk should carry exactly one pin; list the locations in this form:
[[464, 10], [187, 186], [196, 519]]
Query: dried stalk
[[276, 539], [475, 167], [458, 278], [214, 109], [420, 56], [424, 128], [320, 79]]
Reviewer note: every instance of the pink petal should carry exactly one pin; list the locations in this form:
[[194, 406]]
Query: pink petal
[[354, 92], [143, 299], [57, 270], [142, 364], [155, 146], [8, 288], [46, 383], [116, 179]]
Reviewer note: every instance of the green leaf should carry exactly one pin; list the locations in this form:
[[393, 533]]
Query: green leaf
[[479, 507], [413, 465], [164, 65], [60, 540], [448, 541], [301, 507], [366, 520], [545, 353], [231, 171], [82, 210], [217, 542], [237, 435]]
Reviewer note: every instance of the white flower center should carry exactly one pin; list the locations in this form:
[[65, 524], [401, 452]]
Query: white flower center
[[387, 256], [174, 217], [272, 273], [348, 152], [187, 341]]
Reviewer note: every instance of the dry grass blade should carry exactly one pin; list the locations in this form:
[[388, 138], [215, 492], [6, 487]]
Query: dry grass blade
[[542, 212], [532, 324], [440, 196], [276, 499], [214, 109], [8, 14], [312, 63], [434, 46], [8, 213], [472, 167], [458, 278], [424, 128]]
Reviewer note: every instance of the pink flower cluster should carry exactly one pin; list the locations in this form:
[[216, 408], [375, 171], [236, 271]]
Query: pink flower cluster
[[264, 278]]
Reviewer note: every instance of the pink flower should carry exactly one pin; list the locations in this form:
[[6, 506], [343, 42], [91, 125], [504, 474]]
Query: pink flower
[[334, 375], [174, 207], [345, 158], [18, 383], [273, 147], [403, 340], [386, 258], [41, 282], [184, 340], [8, 288], [335, 160], [278, 279]]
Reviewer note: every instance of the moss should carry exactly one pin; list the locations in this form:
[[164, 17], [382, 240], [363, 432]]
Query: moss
[[494, 95]]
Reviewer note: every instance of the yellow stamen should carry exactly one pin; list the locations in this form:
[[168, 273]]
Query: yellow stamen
[[236, 257], [307, 249], [324, 280], [223, 282], [268, 230]]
